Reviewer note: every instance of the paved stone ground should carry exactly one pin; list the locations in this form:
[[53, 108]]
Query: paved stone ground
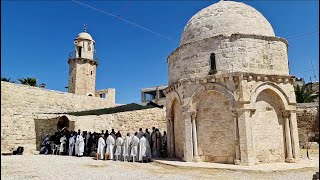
[[65, 167]]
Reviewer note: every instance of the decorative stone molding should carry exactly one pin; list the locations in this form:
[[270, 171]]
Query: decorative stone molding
[[236, 77]]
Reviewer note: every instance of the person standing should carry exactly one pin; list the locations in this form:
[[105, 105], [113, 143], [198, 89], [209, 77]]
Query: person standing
[[144, 149], [63, 140], [126, 147], [119, 143], [81, 145], [153, 138], [134, 147], [101, 147], [140, 133], [148, 136], [71, 144], [87, 142], [110, 146], [113, 134], [76, 148]]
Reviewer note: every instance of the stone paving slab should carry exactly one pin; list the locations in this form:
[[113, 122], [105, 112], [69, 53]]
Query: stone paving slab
[[268, 167]]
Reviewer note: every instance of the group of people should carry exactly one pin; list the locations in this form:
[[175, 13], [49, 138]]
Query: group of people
[[142, 146]]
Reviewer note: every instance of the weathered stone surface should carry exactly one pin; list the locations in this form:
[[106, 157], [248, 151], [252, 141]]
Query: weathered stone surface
[[25, 118]]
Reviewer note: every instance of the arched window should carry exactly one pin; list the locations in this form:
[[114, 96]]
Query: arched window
[[213, 66], [90, 95], [91, 72]]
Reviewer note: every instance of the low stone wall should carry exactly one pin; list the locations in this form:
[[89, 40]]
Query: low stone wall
[[27, 113], [307, 119], [21, 103], [129, 121]]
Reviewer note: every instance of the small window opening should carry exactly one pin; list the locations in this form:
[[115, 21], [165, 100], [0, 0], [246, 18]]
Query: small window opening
[[91, 72], [79, 51], [90, 95], [71, 80], [103, 95], [213, 67]]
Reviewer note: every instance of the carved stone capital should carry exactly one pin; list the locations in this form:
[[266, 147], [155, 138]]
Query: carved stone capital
[[286, 114], [193, 114]]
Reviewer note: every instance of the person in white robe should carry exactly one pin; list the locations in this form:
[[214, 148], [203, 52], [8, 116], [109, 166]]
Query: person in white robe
[[63, 141], [126, 147], [119, 143], [81, 145], [71, 145], [134, 147], [140, 133], [101, 147], [110, 146], [76, 148], [144, 149]]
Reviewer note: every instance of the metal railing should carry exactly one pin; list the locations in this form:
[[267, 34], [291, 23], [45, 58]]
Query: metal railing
[[72, 55]]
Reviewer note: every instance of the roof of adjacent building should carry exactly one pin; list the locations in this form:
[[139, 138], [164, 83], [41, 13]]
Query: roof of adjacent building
[[154, 88], [117, 109]]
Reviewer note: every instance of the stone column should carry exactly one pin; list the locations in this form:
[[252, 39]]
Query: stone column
[[236, 137], [194, 136], [286, 116], [247, 147], [294, 135], [187, 125], [169, 134]]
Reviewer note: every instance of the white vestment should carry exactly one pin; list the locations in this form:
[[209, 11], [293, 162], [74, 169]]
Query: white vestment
[[119, 143], [110, 145], [71, 145], [144, 149], [63, 140], [140, 134], [134, 146], [101, 147], [81, 145], [76, 149], [126, 147]]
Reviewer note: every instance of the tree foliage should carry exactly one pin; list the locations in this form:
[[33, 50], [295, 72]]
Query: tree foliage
[[304, 95], [7, 80]]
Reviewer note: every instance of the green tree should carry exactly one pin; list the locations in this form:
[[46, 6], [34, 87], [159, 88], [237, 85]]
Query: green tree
[[28, 81], [303, 95], [7, 80]]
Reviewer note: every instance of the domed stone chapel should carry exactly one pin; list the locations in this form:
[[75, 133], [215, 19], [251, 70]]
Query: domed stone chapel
[[230, 98]]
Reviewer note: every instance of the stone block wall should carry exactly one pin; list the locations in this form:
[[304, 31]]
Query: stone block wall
[[307, 119], [125, 122], [237, 53], [21, 103]]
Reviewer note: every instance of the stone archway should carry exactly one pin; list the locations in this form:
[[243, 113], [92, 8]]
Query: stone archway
[[268, 127], [177, 130], [215, 128]]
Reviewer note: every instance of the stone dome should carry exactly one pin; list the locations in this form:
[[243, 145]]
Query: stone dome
[[225, 18], [84, 35]]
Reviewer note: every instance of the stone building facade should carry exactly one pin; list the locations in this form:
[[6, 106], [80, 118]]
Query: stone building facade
[[230, 98], [28, 113]]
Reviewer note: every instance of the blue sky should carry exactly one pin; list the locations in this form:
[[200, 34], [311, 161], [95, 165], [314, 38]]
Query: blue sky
[[37, 37]]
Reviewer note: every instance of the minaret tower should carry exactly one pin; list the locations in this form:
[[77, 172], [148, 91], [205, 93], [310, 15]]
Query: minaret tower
[[82, 66]]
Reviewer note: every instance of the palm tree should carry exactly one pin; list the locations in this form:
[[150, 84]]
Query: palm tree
[[7, 80], [29, 81], [303, 95]]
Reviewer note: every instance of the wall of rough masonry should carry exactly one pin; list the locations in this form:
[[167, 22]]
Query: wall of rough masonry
[[126, 122], [237, 53], [21, 103], [307, 119], [217, 143]]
